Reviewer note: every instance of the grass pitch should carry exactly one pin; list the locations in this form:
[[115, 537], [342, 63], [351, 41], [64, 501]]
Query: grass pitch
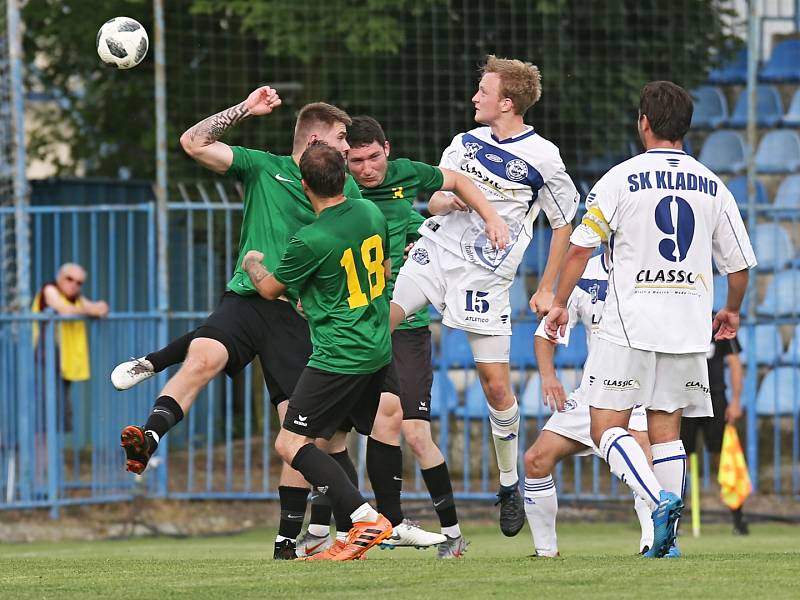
[[597, 561]]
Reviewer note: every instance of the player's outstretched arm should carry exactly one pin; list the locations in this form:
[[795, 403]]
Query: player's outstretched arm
[[553, 394], [265, 283], [574, 266], [542, 299], [201, 141], [465, 190], [726, 321]]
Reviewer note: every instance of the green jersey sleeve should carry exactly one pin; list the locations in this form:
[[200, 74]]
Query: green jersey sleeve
[[298, 264], [414, 221], [430, 178], [244, 160]]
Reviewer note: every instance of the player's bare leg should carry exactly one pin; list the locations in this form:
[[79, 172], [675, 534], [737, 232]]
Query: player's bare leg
[[205, 359]]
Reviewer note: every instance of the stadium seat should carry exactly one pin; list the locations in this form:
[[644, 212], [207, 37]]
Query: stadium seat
[[792, 354], [574, 354], [518, 296], [779, 152], [443, 394], [784, 64], [531, 404], [721, 294], [455, 350], [768, 343], [724, 152], [788, 196], [475, 406], [535, 257], [738, 187], [733, 71], [792, 116], [783, 295], [769, 108], [772, 245], [710, 108], [779, 392], [522, 355]]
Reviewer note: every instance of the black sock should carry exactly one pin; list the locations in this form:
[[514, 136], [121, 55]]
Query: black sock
[[171, 354], [342, 518], [165, 415], [293, 510], [320, 510], [437, 480], [385, 470], [325, 474]]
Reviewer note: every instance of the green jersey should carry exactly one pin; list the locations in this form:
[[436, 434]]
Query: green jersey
[[395, 197], [336, 266], [275, 207]]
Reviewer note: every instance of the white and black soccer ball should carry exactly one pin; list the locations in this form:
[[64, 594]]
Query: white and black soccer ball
[[122, 42]]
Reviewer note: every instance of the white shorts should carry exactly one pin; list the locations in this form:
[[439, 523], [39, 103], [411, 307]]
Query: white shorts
[[468, 296], [618, 378], [574, 422]]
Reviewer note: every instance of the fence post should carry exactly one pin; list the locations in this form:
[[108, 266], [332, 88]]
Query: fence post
[[50, 376]]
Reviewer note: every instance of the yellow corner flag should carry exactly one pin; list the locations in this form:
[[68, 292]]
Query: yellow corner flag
[[734, 480]]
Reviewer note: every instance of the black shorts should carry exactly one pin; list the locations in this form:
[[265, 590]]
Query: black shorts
[[325, 402], [411, 358], [251, 325], [712, 427]]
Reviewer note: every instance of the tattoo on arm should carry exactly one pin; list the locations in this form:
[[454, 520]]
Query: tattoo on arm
[[211, 129], [256, 271]]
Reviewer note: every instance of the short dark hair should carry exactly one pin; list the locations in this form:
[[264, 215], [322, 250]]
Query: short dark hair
[[363, 131], [669, 109], [322, 168], [311, 116]]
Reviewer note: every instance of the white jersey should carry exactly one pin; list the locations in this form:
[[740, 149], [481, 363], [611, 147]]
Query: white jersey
[[664, 215], [586, 302], [520, 176]]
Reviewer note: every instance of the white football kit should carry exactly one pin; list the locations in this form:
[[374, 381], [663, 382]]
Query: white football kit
[[453, 266], [665, 216], [585, 306]]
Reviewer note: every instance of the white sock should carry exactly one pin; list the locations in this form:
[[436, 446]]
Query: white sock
[[319, 530], [669, 465], [541, 507], [628, 462], [280, 538], [341, 536], [645, 517], [453, 531], [505, 431], [364, 514]]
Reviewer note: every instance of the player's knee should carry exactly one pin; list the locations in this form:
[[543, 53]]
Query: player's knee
[[537, 463], [285, 446], [498, 394], [204, 361], [418, 436]]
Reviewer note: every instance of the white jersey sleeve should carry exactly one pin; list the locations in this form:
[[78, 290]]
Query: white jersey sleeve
[[559, 198], [731, 244], [601, 216]]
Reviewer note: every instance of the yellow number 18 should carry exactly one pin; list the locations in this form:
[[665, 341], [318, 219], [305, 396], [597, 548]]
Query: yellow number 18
[[372, 258]]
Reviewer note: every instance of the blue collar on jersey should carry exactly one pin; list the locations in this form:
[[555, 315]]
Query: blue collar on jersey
[[510, 140]]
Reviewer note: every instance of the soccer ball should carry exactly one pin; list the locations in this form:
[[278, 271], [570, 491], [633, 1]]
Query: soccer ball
[[122, 42]]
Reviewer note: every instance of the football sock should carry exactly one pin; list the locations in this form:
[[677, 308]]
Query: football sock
[[341, 536], [628, 462], [342, 516], [645, 517], [385, 470], [171, 354], [165, 415], [541, 507], [669, 465], [364, 513], [320, 522], [324, 473], [293, 510], [505, 429], [437, 480]]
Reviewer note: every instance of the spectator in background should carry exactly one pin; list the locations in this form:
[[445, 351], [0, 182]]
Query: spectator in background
[[720, 353]]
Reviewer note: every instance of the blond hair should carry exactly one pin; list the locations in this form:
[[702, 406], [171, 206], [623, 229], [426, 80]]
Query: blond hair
[[313, 115], [521, 82]]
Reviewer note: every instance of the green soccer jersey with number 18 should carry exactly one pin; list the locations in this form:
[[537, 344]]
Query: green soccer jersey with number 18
[[395, 197], [335, 265], [275, 207]]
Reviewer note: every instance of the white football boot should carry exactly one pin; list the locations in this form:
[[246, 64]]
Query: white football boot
[[128, 374]]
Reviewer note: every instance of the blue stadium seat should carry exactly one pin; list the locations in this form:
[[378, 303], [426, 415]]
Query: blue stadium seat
[[455, 350], [769, 108], [784, 64], [721, 294], [724, 152], [779, 392], [734, 71], [792, 354], [738, 187], [710, 108], [518, 296], [531, 403], [779, 152], [792, 116], [475, 406], [443, 393], [573, 355], [522, 355], [772, 245], [783, 295], [788, 195], [535, 257], [768, 343]]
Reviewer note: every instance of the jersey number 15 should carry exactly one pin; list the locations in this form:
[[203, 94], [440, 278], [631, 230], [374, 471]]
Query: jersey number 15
[[372, 259]]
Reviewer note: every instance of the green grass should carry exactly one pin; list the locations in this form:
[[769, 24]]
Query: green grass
[[597, 562]]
